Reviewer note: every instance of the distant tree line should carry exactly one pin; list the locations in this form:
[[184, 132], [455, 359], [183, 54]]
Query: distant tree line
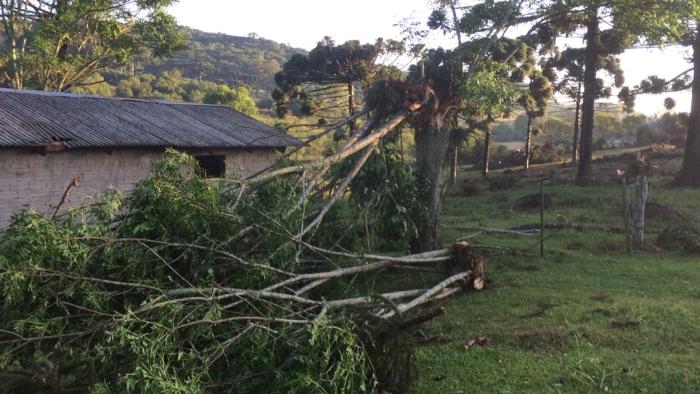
[[612, 130]]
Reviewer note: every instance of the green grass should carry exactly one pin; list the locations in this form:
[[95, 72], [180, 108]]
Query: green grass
[[586, 318]]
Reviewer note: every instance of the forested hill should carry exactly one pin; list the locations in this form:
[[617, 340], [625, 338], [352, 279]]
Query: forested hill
[[209, 61], [221, 58]]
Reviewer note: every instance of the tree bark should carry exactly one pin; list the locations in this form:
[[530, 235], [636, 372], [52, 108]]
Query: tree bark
[[590, 86], [487, 150], [577, 125], [454, 150], [690, 171], [432, 144], [528, 143]]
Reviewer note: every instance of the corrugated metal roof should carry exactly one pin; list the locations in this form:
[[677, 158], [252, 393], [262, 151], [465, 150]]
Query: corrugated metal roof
[[33, 118]]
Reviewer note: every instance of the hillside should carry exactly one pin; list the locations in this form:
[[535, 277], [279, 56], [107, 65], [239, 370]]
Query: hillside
[[209, 61], [221, 58]]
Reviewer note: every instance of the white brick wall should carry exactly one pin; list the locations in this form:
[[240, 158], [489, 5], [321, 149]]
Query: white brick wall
[[30, 179]]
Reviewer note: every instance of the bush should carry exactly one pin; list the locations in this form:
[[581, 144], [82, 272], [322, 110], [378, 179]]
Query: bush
[[471, 188], [532, 201], [387, 187], [507, 181], [683, 236]]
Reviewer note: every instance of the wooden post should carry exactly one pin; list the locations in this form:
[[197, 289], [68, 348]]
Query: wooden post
[[487, 151], [542, 218], [640, 201], [626, 207], [528, 143], [454, 164]]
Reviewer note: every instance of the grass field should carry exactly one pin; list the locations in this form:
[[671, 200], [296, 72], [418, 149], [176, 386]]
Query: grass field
[[588, 317]]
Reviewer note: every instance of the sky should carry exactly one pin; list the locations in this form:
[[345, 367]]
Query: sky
[[302, 23]]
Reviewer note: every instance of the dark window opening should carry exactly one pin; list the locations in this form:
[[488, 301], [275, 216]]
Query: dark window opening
[[213, 166]]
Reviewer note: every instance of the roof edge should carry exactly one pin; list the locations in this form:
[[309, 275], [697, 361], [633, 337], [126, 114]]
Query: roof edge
[[114, 98]]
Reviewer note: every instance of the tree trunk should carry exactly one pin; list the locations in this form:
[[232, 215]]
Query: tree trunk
[[455, 22], [432, 145], [14, 62], [454, 151], [487, 150], [528, 143], [454, 164], [690, 171], [590, 86], [577, 125]]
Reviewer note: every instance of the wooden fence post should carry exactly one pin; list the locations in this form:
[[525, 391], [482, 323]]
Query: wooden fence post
[[542, 218], [626, 207], [640, 201]]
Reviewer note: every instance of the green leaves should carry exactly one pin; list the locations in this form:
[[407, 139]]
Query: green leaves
[[79, 287], [70, 42], [238, 98], [488, 92]]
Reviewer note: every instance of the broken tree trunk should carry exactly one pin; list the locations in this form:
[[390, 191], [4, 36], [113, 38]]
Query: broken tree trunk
[[432, 144]]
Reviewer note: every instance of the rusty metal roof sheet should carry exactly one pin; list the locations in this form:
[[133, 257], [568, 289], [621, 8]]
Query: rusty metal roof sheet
[[33, 118]]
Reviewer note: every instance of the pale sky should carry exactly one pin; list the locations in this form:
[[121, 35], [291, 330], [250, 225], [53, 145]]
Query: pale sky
[[302, 23]]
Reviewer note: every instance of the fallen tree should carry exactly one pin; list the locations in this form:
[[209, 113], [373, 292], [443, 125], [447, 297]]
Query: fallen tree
[[189, 286]]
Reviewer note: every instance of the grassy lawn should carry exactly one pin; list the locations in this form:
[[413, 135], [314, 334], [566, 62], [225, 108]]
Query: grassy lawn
[[586, 318]]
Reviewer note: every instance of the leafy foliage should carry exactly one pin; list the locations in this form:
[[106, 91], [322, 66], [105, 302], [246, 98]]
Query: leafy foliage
[[128, 295], [238, 98], [489, 92], [387, 187], [60, 45], [95, 334]]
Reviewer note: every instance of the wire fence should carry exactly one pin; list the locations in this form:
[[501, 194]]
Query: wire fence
[[624, 213]]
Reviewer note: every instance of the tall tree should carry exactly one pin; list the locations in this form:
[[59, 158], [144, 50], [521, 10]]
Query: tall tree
[[59, 45], [324, 81], [439, 20], [476, 22], [479, 96], [608, 28], [535, 104], [475, 81], [570, 65], [683, 28]]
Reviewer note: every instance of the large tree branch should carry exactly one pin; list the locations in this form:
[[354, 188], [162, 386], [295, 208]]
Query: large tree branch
[[375, 136]]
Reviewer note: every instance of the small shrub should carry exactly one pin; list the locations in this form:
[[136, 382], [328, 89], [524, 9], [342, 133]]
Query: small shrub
[[507, 181], [542, 154], [685, 237], [471, 188], [532, 201]]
